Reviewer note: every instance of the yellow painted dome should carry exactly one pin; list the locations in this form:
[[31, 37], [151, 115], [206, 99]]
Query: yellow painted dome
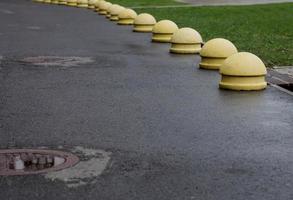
[[144, 23], [145, 19], [92, 2], [115, 9], [163, 31], [186, 41], [82, 2], [98, 4], [165, 26], [126, 17], [243, 64], [104, 5], [243, 71], [218, 48], [127, 14], [186, 36]]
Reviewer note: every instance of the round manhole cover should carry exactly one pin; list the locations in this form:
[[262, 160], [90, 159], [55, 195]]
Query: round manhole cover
[[31, 161]]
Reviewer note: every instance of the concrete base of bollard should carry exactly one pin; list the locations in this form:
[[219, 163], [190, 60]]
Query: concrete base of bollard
[[82, 5], [55, 2], [72, 4], [211, 63], [143, 28], [114, 18], [102, 12], [125, 21], [185, 48], [159, 37], [62, 3], [243, 83]]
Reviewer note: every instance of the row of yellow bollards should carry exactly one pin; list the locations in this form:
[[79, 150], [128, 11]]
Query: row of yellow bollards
[[239, 70]]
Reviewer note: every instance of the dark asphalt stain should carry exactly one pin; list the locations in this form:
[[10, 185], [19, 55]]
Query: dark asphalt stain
[[237, 172]]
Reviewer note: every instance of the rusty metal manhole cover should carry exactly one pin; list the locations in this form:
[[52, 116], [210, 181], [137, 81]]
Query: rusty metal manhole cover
[[31, 161]]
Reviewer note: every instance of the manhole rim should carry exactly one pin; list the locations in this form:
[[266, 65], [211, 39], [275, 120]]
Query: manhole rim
[[70, 161]]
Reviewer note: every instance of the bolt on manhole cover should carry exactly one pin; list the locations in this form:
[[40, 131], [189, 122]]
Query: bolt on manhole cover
[[30, 161]]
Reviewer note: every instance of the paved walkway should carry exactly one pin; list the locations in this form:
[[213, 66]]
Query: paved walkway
[[169, 132]]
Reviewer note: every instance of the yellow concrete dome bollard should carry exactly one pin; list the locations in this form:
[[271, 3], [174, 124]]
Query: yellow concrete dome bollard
[[71, 2], [108, 15], [97, 5], [186, 41], [126, 17], [55, 2], [82, 3], [214, 52], [243, 71], [114, 12], [92, 3], [62, 2], [163, 31], [47, 1], [103, 7], [144, 22]]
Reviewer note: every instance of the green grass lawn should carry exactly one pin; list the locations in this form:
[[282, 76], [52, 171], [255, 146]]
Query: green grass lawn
[[265, 30], [133, 3]]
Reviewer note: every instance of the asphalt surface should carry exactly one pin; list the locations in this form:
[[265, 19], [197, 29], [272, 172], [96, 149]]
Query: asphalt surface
[[232, 2], [172, 133]]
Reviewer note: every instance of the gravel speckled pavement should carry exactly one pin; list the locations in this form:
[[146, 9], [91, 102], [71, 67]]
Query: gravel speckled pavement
[[172, 134]]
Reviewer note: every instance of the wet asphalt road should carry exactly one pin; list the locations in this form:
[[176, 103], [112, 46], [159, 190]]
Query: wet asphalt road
[[233, 2], [172, 133]]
